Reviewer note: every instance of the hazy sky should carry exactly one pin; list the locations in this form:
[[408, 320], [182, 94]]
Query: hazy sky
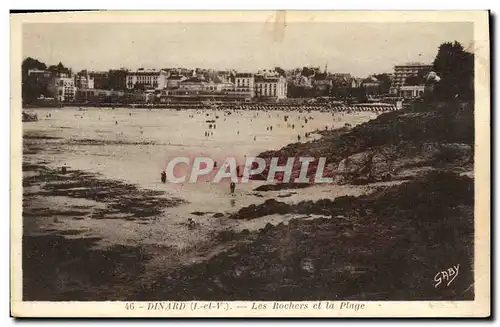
[[357, 48]]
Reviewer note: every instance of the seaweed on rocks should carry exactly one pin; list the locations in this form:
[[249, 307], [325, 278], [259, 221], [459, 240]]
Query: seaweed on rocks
[[383, 246]]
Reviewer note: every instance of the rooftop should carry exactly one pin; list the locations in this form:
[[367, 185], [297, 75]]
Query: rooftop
[[244, 75], [175, 77], [413, 64], [192, 80], [260, 78]]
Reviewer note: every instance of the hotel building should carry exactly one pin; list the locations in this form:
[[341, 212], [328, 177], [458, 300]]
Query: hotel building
[[402, 72], [150, 79]]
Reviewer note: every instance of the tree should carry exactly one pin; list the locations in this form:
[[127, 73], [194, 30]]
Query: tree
[[280, 71], [414, 80], [455, 67], [32, 86], [385, 82], [116, 79], [30, 63], [306, 72]]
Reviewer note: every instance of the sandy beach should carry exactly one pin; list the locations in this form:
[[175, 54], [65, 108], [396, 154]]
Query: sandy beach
[[112, 195]]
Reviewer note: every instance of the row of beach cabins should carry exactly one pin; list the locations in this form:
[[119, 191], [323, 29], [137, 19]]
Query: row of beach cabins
[[369, 107]]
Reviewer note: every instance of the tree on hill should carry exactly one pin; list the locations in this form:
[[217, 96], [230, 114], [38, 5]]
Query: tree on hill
[[30, 63], [32, 86], [455, 67]]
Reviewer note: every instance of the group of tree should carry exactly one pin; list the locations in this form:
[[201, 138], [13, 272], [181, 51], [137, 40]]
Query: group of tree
[[34, 85], [385, 82], [455, 67]]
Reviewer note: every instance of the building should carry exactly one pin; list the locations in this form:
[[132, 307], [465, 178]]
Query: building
[[63, 88], [173, 81], [322, 83], [414, 91], [98, 95], [193, 84], [355, 83], [402, 72], [100, 79], [42, 77], [244, 84], [147, 79], [270, 87], [218, 87], [83, 80], [36, 73]]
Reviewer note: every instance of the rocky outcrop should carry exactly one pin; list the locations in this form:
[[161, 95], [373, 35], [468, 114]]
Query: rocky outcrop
[[405, 161], [396, 145], [383, 246]]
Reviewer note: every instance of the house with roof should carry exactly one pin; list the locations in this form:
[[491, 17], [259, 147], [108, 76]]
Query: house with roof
[[192, 84], [173, 81], [270, 86]]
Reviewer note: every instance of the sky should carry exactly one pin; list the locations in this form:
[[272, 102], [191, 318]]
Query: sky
[[361, 49]]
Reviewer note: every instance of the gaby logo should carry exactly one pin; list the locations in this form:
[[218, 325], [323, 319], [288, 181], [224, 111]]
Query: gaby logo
[[275, 169]]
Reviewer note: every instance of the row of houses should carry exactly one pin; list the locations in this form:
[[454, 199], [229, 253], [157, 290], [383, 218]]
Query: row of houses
[[195, 83], [407, 80], [245, 85], [64, 87]]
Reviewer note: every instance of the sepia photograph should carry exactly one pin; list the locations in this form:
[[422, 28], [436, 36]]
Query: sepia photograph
[[250, 163]]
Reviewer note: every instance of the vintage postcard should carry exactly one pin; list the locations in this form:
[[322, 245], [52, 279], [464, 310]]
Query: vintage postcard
[[250, 164]]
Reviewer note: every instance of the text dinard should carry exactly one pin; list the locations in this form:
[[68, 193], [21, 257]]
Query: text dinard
[[320, 305]]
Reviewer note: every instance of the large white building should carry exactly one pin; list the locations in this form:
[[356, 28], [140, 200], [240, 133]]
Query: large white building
[[402, 72], [63, 88], [244, 84], [149, 79], [271, 87], [413, 91]]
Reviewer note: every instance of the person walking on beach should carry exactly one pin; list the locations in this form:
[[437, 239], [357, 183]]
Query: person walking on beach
[[232, 186], [163, 177]]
